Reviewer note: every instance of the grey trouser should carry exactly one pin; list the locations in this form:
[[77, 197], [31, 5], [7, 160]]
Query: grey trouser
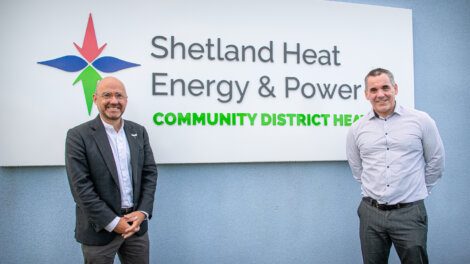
[[406, 228], [133, 250]]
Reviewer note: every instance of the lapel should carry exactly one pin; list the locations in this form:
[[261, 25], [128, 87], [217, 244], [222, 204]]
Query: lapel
[[133, 140], [101, 139]]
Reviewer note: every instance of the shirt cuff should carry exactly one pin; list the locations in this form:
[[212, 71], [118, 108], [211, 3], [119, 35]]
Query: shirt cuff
[[110, 227], [146, 215]]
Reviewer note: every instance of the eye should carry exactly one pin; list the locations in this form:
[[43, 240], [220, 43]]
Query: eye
[[106, 95]]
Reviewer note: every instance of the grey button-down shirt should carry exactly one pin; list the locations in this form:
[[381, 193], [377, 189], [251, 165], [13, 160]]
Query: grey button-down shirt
[[397, 159]]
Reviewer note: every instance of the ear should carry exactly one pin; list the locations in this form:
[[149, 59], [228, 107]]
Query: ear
[[366, 94], [396, 88]]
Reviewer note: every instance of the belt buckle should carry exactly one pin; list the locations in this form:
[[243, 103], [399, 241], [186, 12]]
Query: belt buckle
[[382, 207], [127, 210], [376, 204]]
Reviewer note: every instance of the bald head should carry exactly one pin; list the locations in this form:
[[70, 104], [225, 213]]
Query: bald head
[[111, 100], [109, 81]]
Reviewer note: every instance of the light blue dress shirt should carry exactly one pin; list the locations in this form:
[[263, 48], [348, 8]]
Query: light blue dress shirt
[[397, 159]]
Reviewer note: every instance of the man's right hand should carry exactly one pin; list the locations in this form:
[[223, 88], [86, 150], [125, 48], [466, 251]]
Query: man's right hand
[[122, 226]]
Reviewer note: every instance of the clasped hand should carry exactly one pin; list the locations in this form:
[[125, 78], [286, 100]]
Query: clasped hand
[[129, 224]]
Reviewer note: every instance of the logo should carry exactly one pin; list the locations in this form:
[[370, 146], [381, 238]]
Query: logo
[[89, 63]]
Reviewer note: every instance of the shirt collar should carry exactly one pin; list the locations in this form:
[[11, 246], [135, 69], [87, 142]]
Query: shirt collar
[[398, 110], [110, 128]]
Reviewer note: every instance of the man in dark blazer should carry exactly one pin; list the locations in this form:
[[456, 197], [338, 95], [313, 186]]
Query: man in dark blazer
[[113, 177]]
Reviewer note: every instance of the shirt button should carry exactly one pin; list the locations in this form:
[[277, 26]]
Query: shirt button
[[388, 185], [386, 133], [388, 167], [387, 148]]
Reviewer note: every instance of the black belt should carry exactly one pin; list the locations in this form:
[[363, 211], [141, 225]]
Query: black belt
[[387, 207], [125, 211]]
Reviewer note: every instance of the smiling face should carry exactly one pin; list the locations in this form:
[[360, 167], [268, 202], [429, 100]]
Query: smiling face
[[381, 92], [111, 99]]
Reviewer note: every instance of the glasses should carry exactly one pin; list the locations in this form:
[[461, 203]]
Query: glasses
[[118, 96]]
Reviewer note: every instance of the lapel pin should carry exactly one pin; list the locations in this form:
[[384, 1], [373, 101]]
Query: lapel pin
[[134, 135]]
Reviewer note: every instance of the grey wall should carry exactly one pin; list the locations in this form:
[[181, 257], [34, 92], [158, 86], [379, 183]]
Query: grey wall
[[273, 212]]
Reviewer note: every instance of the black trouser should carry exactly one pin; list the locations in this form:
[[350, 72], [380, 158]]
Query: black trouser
[[132, 250], [405, 227]]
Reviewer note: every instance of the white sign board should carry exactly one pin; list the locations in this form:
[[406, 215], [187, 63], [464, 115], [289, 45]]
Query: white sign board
[[212, 81]]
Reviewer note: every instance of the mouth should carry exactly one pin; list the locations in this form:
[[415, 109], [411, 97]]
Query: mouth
[[382, 101], [113, 107]]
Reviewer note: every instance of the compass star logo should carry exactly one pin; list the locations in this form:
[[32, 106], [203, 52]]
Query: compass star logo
[[89, 64]]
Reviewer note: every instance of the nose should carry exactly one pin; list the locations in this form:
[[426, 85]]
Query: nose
[[380, 93], [113, 99]]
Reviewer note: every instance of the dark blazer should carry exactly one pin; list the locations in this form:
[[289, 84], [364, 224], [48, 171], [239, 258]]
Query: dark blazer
[[94, 183]]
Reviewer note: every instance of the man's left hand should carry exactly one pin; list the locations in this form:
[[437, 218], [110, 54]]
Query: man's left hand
[[135, 219]]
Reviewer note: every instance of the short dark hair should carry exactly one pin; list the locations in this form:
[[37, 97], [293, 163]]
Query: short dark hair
[[377, 72]]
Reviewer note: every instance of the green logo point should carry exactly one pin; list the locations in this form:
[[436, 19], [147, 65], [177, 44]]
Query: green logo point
[[89, 78]]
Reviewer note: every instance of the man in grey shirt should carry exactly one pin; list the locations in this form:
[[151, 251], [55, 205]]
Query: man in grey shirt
[[397, 155]]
